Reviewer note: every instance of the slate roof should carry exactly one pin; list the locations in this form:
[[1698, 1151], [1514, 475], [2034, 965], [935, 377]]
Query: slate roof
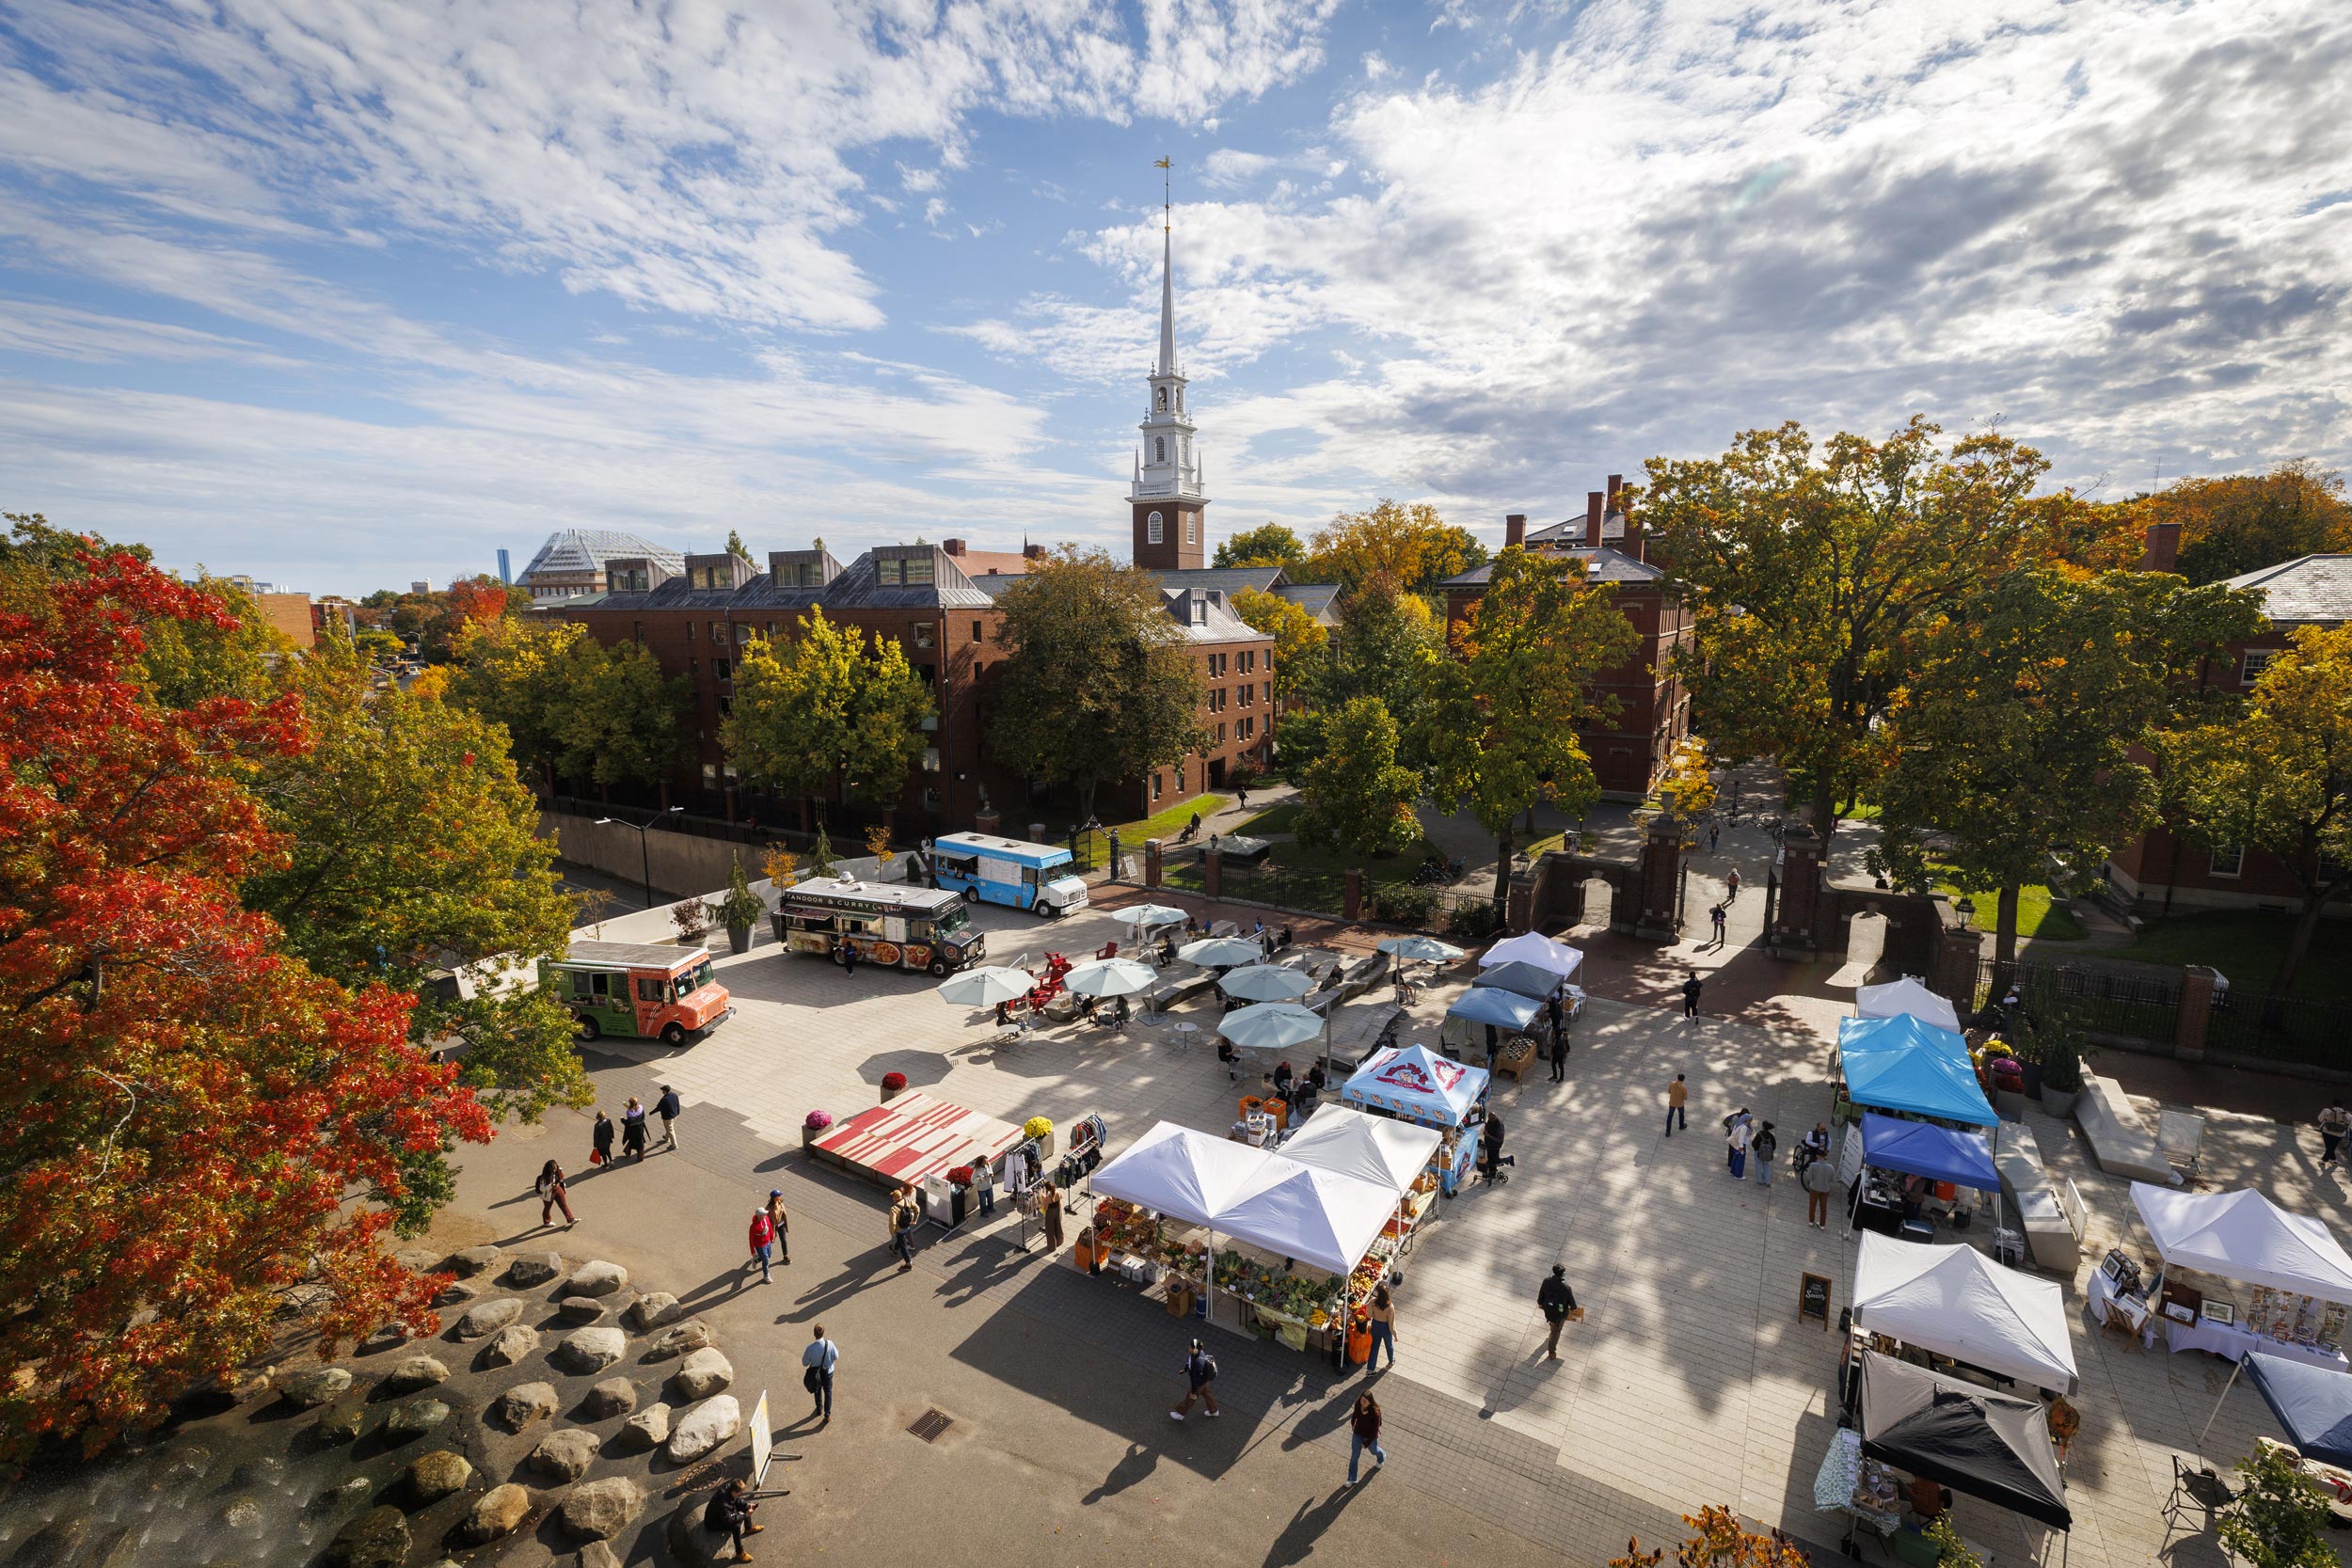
[[1572, 531], [1315, 599], [857, 586], [1601, 565], [586, 549], [1228, 581], [2310, 590]]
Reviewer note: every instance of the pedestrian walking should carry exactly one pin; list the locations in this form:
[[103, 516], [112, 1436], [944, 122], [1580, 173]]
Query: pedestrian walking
[[1200, 1371], [1490, 1156], [1364, 1436], [763, 1239], [783, 1224], [1764, 1146], [667, 1109], [1049, 1210], [729, 1513], [1381, 1314], [1559, 1052], [553, 1194], [1677, 1096], [1737, 1131], [633, 1129], [2334, 1122], [904, 1216], [1690, 996], [818, 1363], [602, 1134], [1240, 796], [1559, 1306], [1719, 915], [1819, 1178], [1731, 881], [1714, 831], [984, 1184], [848, 957]]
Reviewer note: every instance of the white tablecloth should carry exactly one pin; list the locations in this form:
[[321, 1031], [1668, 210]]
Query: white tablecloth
[[2232, 1342]]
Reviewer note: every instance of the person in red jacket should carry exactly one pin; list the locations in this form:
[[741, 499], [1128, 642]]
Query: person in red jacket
[[763, 1240]]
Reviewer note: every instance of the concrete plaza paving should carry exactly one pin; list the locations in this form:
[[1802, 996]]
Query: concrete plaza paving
[[1690, 1382]]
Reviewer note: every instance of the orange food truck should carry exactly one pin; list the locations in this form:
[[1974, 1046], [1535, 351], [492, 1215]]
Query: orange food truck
[[637, 989]]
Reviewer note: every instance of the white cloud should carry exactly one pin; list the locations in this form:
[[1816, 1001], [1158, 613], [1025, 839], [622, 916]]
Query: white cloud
[[1229, 165]]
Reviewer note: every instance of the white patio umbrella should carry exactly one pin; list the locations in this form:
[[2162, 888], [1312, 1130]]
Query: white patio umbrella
[[1420, 949], [985, 988], [1111, 977], [1267, 983], [1220, 952], [1144, 916], [1270, 1027]]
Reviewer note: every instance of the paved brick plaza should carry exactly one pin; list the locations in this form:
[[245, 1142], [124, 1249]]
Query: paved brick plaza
[[1690, 1382]]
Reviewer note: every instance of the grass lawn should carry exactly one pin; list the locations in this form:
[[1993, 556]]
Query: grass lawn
[[1299, 857], [1168, 823], [2246, 946], [2037, 916], [1275, 819]]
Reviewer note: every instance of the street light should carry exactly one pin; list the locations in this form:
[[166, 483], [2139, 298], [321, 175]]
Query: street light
[[644, 856], [1965, 908]]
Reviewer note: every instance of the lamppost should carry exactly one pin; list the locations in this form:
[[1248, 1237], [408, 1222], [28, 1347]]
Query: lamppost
[[644, 856], [1965, 908]]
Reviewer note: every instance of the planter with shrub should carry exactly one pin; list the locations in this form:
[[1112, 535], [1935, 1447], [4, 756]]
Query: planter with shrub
[[893, 1085], [815, 1126], [739, 911], [2061, 1069], [692, 917]]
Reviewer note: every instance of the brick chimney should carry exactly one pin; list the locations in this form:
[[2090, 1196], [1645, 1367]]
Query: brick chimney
[[1592, 502], [1617, 482], [951, 547], [2162, 553], [1514, 529]]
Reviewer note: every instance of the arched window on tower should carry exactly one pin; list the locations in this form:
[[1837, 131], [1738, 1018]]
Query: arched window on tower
[[1163, 400], [1159, 449], [1152, 529]]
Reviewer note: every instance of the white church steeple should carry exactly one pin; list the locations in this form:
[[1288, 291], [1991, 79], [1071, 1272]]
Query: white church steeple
[[1167, 463]]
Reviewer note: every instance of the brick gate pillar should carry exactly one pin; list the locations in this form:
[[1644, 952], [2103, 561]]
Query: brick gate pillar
[[1797, 918], [1660, 881], [2195, 1014], [1518, 902], [1151, 867], [1352, 893], [1952, 965]]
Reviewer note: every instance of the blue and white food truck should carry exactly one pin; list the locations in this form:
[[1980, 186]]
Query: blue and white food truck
[[1008, 871]]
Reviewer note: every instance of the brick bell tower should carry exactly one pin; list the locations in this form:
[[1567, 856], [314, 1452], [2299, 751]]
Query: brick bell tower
[[1171, 528]]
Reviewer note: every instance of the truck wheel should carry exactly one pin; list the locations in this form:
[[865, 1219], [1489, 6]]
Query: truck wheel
[[939, 968], [674, 1035], [971, 896], [589, 1028], [1053, 912], [842, 955]]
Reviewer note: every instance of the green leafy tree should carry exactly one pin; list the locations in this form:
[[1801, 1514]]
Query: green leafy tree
[[413, 853], [2277, 777], [517, 673], [1387, 643], [832, 711], [1407, 542], [737, 548], [1099, 682], [1498, 727], [1359, 798], [377, 644], [1812, 571], [2023, 735], [1301, 643], [622, 720], [2245, 521], [1267, 544], [2279, 1517]]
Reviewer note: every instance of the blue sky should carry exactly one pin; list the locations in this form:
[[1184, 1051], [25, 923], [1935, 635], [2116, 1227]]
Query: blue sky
[[343, 293]]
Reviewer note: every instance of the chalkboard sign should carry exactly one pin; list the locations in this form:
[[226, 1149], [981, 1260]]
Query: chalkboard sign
[[1813, 1299]]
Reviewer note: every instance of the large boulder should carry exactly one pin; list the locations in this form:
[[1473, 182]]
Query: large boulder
[[524, 1404], [485, 1318], [242, 1512], [590, 1350], [690, 1544], [704, 1373], [564, 1455], [417, 1260], [313, 1387], [342, 1495], [457, 1292], [614, 1396], [435, 1475], [509, 1346], [602, 1509], [376, 1539], [474, 1259], [535, 1268], [655, 1310], [677, 1340], [649, 1428], [340, 1425], [414, 1372], [595, 1555], [581, 1309], [599, 1279], [496, 1512], [698, 1431], [410, 1421]]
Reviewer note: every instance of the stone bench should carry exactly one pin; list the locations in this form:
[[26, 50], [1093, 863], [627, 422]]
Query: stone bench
[[1176, 988], [2042, 1218], [2120, 1141]]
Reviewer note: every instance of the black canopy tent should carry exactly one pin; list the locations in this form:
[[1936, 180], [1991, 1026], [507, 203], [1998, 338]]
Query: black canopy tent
[[1971, 1439]]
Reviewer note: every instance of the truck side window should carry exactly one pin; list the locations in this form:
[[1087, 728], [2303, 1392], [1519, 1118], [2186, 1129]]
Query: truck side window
[[600, 984], [648, 991], [580, 984]]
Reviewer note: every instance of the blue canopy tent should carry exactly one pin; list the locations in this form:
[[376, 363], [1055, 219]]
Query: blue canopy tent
[[1901, 1064], [2312, 1404], [1504, 1009], [1921, 1149]]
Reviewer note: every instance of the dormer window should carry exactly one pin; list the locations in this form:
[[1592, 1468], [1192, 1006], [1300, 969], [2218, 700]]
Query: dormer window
[[1199, 610]]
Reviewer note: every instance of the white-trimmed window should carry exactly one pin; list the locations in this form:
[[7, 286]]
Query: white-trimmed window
[[1159, 449], [2252, 663], [1192, 527], [2228, 860], [1151, 528]]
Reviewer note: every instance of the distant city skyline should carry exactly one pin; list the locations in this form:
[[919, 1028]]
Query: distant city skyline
[[512, 270]]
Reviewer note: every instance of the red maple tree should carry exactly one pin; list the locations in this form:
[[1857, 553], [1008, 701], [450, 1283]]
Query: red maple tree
[[193, 1124]]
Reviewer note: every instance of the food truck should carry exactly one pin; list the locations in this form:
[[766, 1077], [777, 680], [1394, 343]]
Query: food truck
[[896, 926], [637, 989], [1008, 871]]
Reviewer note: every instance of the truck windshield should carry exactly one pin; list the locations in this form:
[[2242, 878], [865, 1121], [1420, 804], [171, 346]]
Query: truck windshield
[[950, 920], [692, 980]]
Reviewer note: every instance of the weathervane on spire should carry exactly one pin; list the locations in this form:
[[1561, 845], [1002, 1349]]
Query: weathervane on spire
[[1168, 193]]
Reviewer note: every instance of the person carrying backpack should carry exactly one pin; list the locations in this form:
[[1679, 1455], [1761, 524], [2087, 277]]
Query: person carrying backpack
[[1200, 1371], [1560, 1307], [763, 1239], [1764, 1146]]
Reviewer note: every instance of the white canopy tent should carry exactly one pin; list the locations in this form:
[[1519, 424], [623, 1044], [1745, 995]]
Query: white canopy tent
[[2244, 1236], [1906, 997], [1316, 1216], [1379, 1149], [1956, 1300], [1533, 947], [1175, 1171]]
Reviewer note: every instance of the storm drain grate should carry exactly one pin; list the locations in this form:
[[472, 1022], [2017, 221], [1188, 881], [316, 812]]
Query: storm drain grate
[[929, 1425]]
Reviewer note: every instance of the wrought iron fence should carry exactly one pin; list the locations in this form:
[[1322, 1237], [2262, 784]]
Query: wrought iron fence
[[2133, 1002]]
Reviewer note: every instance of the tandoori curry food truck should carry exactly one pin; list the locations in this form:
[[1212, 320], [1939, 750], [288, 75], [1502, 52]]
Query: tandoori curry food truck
[[896, 924], [637, 990], [1008, 871]]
